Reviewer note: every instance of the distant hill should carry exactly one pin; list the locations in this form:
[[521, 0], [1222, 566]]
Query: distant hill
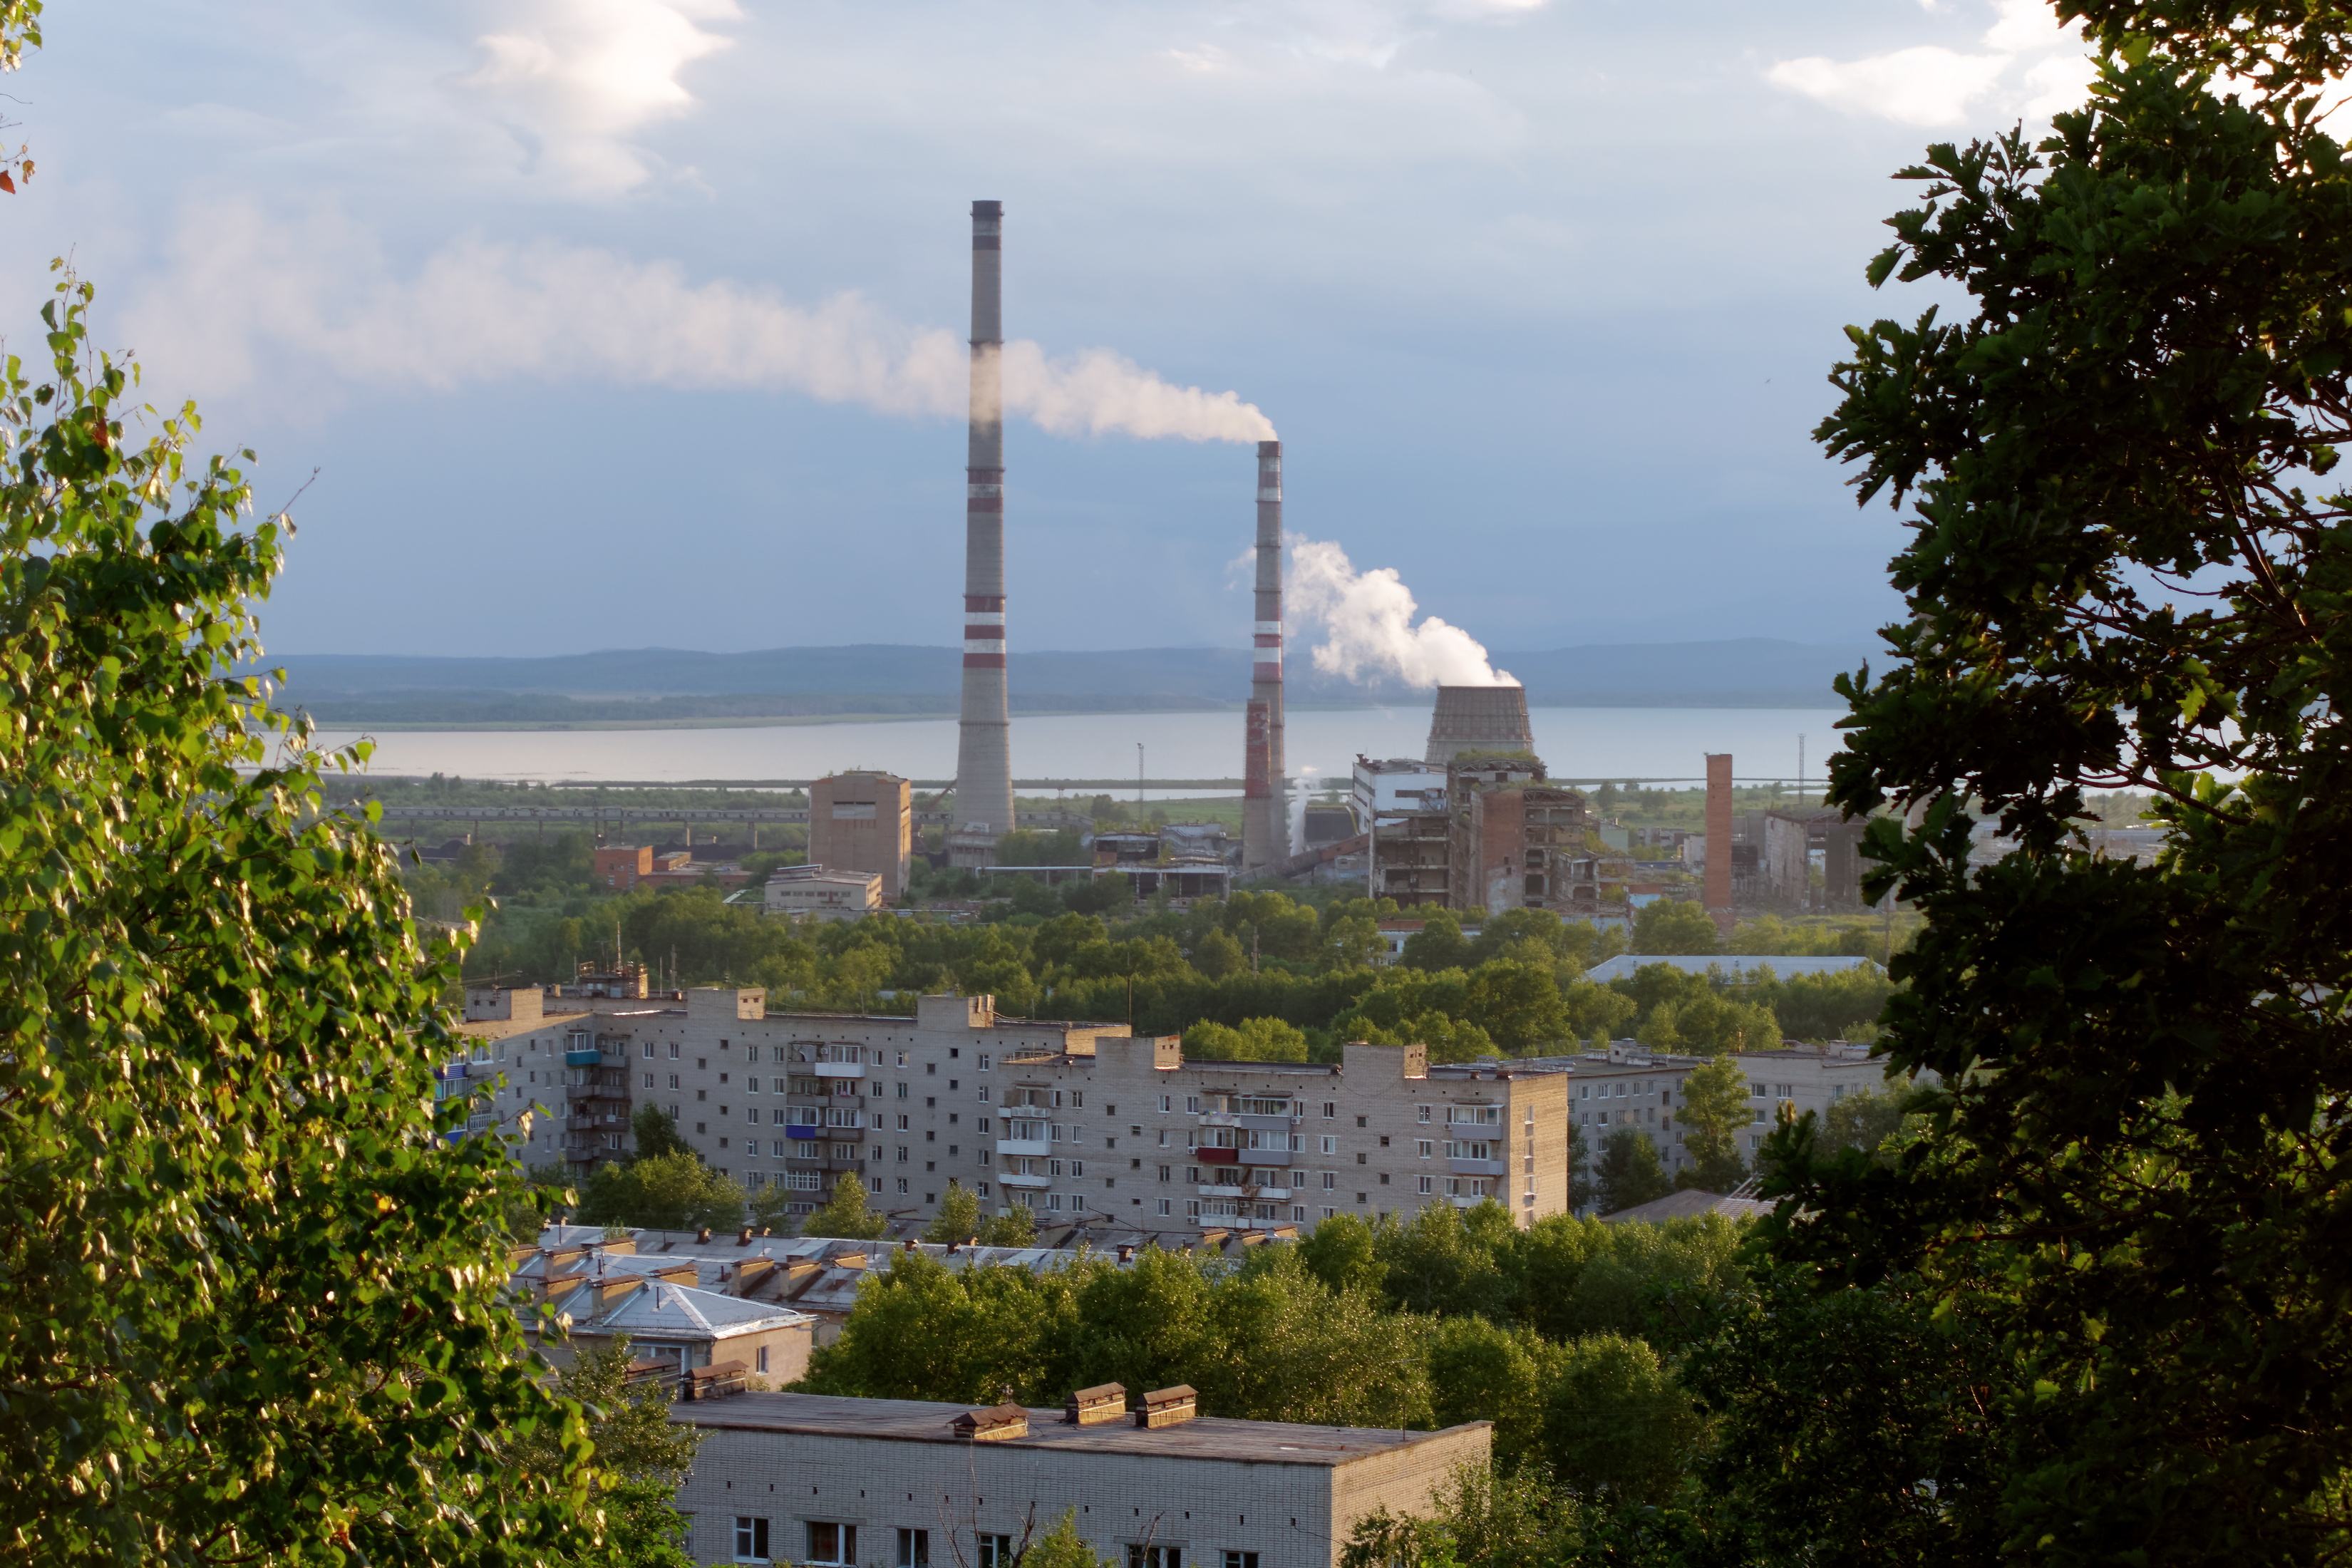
[[675, 685]]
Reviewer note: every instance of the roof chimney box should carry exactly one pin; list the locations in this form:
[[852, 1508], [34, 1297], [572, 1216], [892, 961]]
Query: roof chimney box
[[1166, 1407], [1093, 1406], [994, 1425]]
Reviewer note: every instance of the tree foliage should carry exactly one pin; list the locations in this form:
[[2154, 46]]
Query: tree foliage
[[845, 1214], [2128, 566], [253, 1310], [1628, 1171]]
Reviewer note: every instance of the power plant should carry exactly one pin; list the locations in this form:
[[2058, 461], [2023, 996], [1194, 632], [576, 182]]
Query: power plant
[[984, 787], [1478, 718], [1266, 819]]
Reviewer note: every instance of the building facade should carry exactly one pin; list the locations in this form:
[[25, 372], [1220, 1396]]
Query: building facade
[[820, 1479], [864, 822]]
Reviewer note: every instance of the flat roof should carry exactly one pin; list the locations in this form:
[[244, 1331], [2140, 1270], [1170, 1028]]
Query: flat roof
[[923, 1421], [505, 1028]]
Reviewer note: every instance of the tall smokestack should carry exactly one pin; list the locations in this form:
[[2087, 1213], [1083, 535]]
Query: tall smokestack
[[983, 797], [1716, 886], [1265, 821]]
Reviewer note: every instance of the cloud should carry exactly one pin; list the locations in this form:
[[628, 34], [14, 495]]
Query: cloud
[[2031, 67], [1367, 625], [573, 79], [251, 301]]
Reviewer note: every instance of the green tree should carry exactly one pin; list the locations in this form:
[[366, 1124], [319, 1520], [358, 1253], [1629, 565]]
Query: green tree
[[1014, 1227], [1251, 1040], [2125, 567], [641, 1456], [1716, 1110], [1217, 954], [771, 1208], [1865, 1120], [1438, 944], [664, 1192], [1628, 1171], [844, 1214], [1517, 1006], [1061, 1547], [653, 1132], [956, 1217], [1673, 926], [1615, 1422], [249, 1258]]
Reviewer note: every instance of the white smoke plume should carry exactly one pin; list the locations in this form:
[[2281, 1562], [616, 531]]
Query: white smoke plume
[[1367, 626], [250, 300]]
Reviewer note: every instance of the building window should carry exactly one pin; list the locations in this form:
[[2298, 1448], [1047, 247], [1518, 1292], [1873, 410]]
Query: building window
[[649, 1048], [1243, 1559], [1421, 1113], [931, 1069], [1142, 1556], [1330, 1144], [1191, 1208], [1330, 1214], [997, 1551], [761, 1359], [1192, 1105], [1330, 1110], [1164, 1105], [902, 1186], [751, 1539], [828, 1542], [984, 1066], [1162, 1206], [914, 1549], [673, 1050], [983, 1188], [1361, 1198]]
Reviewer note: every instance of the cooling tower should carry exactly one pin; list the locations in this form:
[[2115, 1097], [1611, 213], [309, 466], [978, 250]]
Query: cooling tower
[[1479, 719], [1265, 822], [983, 794]]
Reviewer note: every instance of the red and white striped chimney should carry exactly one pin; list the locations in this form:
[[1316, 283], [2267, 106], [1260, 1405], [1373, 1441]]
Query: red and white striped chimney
[[1266, 819]]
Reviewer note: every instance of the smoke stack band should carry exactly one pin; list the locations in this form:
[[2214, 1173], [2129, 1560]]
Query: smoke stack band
[[1265, 824], [983, 791]]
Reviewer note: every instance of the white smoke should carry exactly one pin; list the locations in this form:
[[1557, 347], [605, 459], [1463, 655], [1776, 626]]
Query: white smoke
[[251, 301], [1367, 625]]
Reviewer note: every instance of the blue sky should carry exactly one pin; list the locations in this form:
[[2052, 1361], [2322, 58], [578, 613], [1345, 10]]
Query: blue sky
[[617, 323]]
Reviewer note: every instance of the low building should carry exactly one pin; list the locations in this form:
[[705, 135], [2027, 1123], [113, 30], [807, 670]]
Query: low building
[[814, 1478], [824, 892], [606, 1291], [618, 867], [1730, 968]]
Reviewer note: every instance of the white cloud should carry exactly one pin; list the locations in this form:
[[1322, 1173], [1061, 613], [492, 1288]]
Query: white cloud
[[1923, 85], [2031, 67], [302, 307], [573, 79]]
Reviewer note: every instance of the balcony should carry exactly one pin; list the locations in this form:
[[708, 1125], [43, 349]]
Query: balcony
[[1258, 1156], [839, 1069], [582, 1059], [1220, 1156], [577, 1091], [1479, 1167], [1026, 1148], [803, 1132], [1018, 1179], [1268, 1123]]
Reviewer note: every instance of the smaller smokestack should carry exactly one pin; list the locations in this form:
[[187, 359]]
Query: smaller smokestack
[[1479, 719], [1716, 886]]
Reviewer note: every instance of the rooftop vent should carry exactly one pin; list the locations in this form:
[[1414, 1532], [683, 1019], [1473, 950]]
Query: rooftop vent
[[1166, 1407], [992, 1425], [717, 1381], [1093, 1406]]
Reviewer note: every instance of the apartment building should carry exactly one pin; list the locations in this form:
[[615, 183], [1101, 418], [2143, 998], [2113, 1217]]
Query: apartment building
[[823, 1479], [1074, 1121], [1627, 1087]]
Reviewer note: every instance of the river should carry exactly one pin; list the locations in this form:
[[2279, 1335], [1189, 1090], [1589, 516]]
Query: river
[[1578, 743]]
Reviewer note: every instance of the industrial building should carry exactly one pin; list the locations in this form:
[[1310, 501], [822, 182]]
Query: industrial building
[[826, 1479], [984, 796], [1486, 831], [1266, 819], [822, 892], [1491, 718], [864, 822]]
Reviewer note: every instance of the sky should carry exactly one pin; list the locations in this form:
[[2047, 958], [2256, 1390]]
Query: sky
[[613, 323]]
